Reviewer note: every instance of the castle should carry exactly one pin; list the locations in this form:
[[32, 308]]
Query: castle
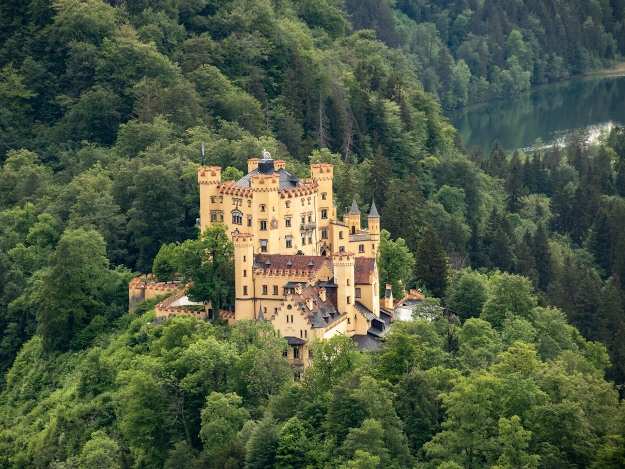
[[296, 265]]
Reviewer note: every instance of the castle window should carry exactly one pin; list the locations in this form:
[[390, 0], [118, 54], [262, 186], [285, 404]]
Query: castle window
[[287, 318], [287, 222], [358, 293], [289, 243], [361, 248], [303, 239], [221, 198], [303, 201], [323, 196], [285, 353], [237, 218], [349, 301], [340, 235], [275, 292], [213, 216], [249, 203], [221, 216], [301, 333], [288, 203], [296, 352], [324, 213], [245, 273], [275, 311], [243, 258], [309, 217], [306, 333], [310, 354], [303, 219], [263, 245], [263, 225], [324, 233], [341, 248], [212, 199], [262, 207], [310, 237], [308, 200], [353, 230], [244, 289], [264, 289], [249, 220], [347, 281]]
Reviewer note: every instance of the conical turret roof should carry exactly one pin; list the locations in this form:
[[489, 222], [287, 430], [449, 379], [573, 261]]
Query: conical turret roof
[[354, 210], [373, 213]]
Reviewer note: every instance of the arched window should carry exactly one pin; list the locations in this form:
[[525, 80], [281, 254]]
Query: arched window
[[237, 218]]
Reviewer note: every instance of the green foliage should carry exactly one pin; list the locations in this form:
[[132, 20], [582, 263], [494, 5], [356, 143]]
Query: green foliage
[[395, 264], [222, 419]]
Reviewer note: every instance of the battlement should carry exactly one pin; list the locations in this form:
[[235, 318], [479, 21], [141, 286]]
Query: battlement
[[242, 239], [209, 175], [343, 256], [252, 164], [265, 182], [279, 164], [321, 171], [310, 188]]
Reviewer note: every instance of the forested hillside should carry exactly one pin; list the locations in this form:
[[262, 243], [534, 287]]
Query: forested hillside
[[103, 111]]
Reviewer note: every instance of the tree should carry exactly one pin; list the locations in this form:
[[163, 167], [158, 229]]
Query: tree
[[262, 445], [395, 263], [222, 418], [100, 452], [515, 441], [431, 263], [509, 294], [403, 214], [208, 260], [293, 445], [71, 291], [467, 294], [166, 264]]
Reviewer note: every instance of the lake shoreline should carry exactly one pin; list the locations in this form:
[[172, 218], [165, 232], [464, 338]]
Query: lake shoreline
[[618, 70]]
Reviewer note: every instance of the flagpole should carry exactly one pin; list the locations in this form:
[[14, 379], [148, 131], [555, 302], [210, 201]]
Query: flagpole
[[202, 151]]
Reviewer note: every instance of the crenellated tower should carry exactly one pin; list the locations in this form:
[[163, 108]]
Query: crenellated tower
[[244, 276], [208, 177]]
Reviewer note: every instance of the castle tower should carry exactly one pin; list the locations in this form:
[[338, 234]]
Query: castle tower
[[244, 276], [373, 222], [208, 178], [353, 218], [344, 277]]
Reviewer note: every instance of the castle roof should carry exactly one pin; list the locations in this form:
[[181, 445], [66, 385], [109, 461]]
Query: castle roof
[[321, 313], [373, 213], [266, 167], [354, 210]]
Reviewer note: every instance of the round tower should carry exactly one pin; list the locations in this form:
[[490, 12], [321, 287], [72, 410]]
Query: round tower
[[244, 276]]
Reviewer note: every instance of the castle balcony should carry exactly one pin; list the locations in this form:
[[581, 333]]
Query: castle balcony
[[359, 237], [308, 226]]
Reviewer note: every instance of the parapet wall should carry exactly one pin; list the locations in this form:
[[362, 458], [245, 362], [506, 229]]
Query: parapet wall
[[139, 291]]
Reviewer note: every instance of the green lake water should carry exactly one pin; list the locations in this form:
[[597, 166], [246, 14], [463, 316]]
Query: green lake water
[[550, 112]]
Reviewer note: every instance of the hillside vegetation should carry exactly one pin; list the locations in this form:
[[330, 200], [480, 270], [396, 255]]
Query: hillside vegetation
[[104, 108]]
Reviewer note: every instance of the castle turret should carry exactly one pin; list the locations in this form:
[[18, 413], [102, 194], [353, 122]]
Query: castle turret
[[208, 178], [252, 164], [244, 276], [344, 277], [373, 222], [353, 218]]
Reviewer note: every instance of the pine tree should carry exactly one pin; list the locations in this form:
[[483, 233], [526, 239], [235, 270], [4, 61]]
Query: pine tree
[[514, 184], [542, 256], [431, 263], [402, 214]]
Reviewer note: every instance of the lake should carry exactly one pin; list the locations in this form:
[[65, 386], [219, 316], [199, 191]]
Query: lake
[[549, 112]]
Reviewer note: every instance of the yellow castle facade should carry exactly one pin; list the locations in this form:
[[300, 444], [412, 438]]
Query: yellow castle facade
[[296, 264]]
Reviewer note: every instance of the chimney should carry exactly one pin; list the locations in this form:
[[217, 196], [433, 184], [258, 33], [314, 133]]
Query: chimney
[[388, 297]]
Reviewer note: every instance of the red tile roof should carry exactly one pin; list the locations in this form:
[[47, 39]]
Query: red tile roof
[[363, 270]]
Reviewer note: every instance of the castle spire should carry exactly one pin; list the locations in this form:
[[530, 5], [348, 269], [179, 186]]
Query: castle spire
[[354, 210], [373, 213], [261, 316]]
